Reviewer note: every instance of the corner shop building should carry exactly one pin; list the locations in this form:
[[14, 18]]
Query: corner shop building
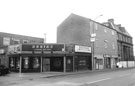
[[49, 57]]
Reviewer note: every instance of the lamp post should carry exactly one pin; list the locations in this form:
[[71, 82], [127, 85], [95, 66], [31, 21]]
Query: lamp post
[[44, 37], [93, 39]]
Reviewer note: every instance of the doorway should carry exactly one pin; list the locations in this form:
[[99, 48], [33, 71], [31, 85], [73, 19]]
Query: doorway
[[53, 64], [46, 64]]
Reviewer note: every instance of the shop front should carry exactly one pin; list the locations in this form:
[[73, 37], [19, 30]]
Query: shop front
[[47, 58]]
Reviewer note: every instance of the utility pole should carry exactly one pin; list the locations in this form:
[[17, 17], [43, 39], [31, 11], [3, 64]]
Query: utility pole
[[93, 39], [44, 37]]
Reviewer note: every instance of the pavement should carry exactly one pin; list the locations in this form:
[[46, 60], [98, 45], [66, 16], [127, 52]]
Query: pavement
[[58, 74], [48, 78]]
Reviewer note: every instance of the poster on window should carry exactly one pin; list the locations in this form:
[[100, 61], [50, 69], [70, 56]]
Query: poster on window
[[6, 41]]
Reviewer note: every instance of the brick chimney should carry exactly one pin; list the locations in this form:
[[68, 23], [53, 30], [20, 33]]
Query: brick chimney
[[111, 21]]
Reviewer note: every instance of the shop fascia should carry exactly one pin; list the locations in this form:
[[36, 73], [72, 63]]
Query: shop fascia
[[46, 49]]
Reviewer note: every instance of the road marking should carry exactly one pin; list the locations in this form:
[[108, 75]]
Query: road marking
[[124, 74], [97, 81]]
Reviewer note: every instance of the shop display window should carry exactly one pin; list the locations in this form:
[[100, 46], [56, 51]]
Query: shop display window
[[36, 63], [25, 62], [17, 63], [12, 63]]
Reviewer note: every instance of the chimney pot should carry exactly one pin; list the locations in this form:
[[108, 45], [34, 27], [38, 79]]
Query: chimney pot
[[111, 20]]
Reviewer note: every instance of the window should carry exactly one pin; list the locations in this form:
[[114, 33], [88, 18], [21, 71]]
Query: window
[[16, 41], [12, 62], [112, 32], [105, 43], [25, 63], [36, 62], [105, 30], [113, 46], [25, 41]]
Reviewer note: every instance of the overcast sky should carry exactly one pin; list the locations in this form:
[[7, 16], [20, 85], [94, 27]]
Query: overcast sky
[[36, 17]]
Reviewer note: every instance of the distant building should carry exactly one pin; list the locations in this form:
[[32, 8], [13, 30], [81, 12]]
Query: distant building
[[7, 39], [84, 31], [124, 41]]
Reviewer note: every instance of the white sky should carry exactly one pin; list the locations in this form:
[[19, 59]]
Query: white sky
[[36, 17]]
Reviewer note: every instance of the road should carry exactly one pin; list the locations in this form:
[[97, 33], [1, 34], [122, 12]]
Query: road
[[109, 78]]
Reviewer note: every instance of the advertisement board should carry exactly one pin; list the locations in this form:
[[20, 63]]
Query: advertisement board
[[12, 49], [85, 49]]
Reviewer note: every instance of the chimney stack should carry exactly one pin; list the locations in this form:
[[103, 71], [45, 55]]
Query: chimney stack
[[111, 20]]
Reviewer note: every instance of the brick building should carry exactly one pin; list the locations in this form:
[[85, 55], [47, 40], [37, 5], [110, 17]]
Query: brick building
[[125, 44], [84, 31], [7, 39]]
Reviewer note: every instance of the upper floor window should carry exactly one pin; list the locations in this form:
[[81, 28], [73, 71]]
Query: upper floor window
[[25, 41], [105, 30], [112, 32], [105, 43], [113, 46], [16, 41]]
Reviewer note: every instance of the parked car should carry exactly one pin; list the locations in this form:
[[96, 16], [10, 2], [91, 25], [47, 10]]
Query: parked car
[[3, 70]]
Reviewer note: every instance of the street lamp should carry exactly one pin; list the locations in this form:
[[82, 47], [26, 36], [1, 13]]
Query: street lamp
[[93, 39], [98, 17]]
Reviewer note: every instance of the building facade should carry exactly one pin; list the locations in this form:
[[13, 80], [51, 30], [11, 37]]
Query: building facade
[[7, 39], [49, 57], [84, 31], [125, 44]]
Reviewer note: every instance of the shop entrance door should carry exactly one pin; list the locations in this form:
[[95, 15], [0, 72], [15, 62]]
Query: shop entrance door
[[46, 64]]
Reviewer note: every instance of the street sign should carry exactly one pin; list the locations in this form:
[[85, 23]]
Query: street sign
[[92, 39], [93, 35]]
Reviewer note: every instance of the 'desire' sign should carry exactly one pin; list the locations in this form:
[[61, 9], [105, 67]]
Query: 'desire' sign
[[42, 48]]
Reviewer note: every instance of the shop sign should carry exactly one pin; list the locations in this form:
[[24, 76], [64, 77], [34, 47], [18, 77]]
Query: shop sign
[[43, 48], [12, 49], [82, 49], [92, 39]]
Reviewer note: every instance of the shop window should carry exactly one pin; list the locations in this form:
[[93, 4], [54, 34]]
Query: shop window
[[82, 62], [69, 61], [100, 61], [26, 63], [17, 63], [36, 62], [12, 63]]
